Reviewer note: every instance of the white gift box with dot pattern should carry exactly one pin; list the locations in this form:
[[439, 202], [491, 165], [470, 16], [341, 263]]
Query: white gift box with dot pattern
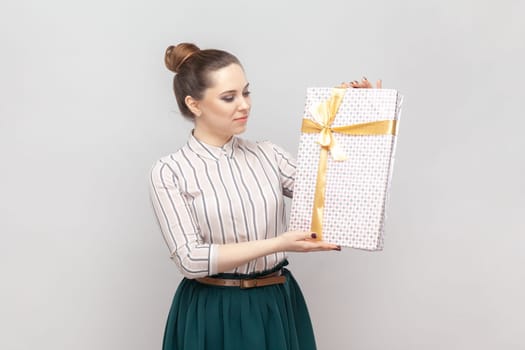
[[356, 189]]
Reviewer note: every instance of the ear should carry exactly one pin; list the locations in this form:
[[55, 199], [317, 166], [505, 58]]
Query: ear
[[193, 105]]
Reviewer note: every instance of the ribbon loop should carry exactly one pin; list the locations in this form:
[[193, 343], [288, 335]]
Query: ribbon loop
[[325, 137]]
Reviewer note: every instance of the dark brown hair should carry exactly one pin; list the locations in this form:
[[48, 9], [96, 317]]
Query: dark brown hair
[[192, 66]]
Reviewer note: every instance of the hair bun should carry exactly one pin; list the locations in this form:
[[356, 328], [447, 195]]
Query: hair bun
[[176, 55]]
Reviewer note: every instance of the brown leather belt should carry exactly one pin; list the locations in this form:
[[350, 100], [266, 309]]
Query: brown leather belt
[[266, 280]]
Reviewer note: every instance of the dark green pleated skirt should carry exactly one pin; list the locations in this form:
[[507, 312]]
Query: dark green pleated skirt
[[204, 317]]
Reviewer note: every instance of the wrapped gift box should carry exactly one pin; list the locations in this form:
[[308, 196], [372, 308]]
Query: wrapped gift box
[[344, 165]]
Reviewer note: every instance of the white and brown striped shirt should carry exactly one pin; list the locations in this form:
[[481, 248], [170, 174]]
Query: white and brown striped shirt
[[205, 195]]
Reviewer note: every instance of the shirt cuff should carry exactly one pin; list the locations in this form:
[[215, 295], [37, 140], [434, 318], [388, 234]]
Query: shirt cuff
[[213, 260]]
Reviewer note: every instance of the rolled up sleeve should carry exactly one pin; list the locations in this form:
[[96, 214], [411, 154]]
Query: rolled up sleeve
[[191, 254]]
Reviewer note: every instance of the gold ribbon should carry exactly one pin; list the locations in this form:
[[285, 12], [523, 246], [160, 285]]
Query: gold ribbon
[[324, 114]]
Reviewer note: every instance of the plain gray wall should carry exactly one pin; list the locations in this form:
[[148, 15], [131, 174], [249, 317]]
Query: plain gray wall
[[86, 107]]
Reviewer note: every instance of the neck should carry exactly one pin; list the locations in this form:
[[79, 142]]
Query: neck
[[211, 138]]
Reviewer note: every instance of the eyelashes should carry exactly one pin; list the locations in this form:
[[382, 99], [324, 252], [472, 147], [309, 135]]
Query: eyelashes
[[231, 98]]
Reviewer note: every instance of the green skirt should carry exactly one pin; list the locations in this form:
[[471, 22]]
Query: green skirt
[[205, 317]]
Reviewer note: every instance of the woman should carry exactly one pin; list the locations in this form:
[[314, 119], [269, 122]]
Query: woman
[[219, 204]]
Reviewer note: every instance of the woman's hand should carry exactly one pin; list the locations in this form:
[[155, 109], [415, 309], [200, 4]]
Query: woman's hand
[[299, 241], [364, 83]]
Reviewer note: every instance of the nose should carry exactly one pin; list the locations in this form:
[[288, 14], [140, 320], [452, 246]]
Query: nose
[[244, 103]]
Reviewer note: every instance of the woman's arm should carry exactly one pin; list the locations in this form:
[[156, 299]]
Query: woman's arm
[[286, 166], [179, 228], [237, 254]]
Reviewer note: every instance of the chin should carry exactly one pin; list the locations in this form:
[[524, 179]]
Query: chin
[[238, 131]]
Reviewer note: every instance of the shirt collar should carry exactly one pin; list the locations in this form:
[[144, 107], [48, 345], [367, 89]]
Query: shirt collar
[[209, 151]]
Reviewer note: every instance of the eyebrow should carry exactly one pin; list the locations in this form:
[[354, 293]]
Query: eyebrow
[[231, 91]]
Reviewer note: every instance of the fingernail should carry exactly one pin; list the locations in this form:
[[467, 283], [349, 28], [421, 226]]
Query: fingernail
[[314, 235]]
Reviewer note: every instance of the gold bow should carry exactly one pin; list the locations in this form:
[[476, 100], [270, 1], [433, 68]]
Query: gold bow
[[324, 114]]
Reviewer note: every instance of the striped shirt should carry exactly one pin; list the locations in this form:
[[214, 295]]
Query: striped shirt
[[205, 195]]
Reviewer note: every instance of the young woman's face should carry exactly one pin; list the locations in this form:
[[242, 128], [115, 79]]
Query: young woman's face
[[225, 106]]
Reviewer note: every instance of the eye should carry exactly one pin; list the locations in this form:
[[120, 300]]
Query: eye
[[228, 98], [246, 93]]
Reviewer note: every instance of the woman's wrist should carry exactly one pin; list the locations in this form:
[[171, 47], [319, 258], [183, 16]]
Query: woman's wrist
[[277, 244]]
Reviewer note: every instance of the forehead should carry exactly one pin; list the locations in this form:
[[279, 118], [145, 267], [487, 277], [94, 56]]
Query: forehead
[[231, 77]]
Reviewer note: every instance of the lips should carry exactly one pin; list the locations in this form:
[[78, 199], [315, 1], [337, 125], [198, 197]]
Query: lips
[[243, 118]]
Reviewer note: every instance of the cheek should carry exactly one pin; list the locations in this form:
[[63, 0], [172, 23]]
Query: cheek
[[224, 111]]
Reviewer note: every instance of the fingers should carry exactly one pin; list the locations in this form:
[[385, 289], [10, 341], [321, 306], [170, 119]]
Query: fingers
[[311, 235], [366, 83], [299, 241], [363, 84], [323, 248], [310, 246], [300, 236]]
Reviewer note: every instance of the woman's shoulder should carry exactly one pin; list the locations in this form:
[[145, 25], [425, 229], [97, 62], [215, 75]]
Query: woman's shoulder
[[169, 162]]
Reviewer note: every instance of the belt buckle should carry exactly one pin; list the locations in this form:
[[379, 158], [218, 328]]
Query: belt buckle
[[248, 283]]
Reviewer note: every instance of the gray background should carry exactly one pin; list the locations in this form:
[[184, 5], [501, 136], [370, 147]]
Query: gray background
[[87, 107]]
